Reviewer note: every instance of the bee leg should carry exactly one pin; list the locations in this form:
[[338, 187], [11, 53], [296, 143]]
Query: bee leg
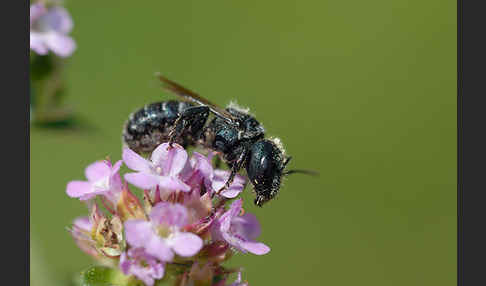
[[229, 181], [192, 119], [176, 130], [234, 170]]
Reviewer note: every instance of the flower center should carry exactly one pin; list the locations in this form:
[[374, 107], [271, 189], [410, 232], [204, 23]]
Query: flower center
[[165, 231], [102, 184]]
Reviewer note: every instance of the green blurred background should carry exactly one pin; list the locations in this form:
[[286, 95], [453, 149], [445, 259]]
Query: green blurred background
[[362, 91]]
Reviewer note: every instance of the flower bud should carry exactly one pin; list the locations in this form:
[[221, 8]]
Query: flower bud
[[201, 275], [108, 235], [216, 251], [95, 216], [129, 207], [81, 232]]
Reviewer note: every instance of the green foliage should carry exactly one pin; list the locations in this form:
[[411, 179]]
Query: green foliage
[[105, 276], [48, 90], [42, 66]]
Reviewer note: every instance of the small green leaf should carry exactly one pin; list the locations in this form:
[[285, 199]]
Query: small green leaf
[[105, 276], [97, 276]]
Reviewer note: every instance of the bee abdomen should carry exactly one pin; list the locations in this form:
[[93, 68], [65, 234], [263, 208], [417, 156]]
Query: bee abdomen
[[149, 126]]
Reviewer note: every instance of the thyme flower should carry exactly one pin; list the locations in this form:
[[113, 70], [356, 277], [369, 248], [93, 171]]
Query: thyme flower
[[49, 29], [181, 231]]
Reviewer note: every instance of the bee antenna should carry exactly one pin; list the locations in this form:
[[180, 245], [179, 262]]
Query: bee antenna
[[306, 172]]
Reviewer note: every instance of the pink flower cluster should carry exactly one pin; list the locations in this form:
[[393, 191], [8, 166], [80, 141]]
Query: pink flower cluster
[[183, 228], [49, 29]]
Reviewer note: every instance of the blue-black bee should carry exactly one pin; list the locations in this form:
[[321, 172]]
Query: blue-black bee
[[235, 135]]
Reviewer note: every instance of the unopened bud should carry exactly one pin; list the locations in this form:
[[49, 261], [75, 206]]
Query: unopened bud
[[201, 275], [108, 235], [129, 207], [216, 251]]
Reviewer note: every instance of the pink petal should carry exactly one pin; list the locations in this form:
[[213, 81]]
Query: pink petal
[[138, 232], [160, 154], [37, 43], [115, 183], [187, 171], [143, 274], [60, 44], [97, 170], [226, 218], [93, 193], [246, 225], [135, 161], [224, 222], [59, 20], [172, 160], [169, 214], [125, 263], [83, 223], [115, 180], [235, 208], [116, 167], [254, 247], [194, 179], [137, 262], [230, 194], [174, 184], [158, 270], [158, 248], [202, 164], [216, 233], [142, 180], [76, 189], [36, 10], [236, 187], [186, 244]]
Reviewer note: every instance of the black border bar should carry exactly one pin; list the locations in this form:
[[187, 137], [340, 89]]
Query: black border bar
[[471, 143], [460, 231]]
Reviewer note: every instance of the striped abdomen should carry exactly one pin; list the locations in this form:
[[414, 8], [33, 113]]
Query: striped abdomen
[[150, 126]]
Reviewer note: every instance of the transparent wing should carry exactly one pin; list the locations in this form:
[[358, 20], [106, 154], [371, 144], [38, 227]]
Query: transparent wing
[[191, 96]]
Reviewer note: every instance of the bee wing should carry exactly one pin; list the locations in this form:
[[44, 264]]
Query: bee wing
[[191, 96]]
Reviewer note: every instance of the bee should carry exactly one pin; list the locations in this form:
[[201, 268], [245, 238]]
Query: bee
[[235, 135]]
